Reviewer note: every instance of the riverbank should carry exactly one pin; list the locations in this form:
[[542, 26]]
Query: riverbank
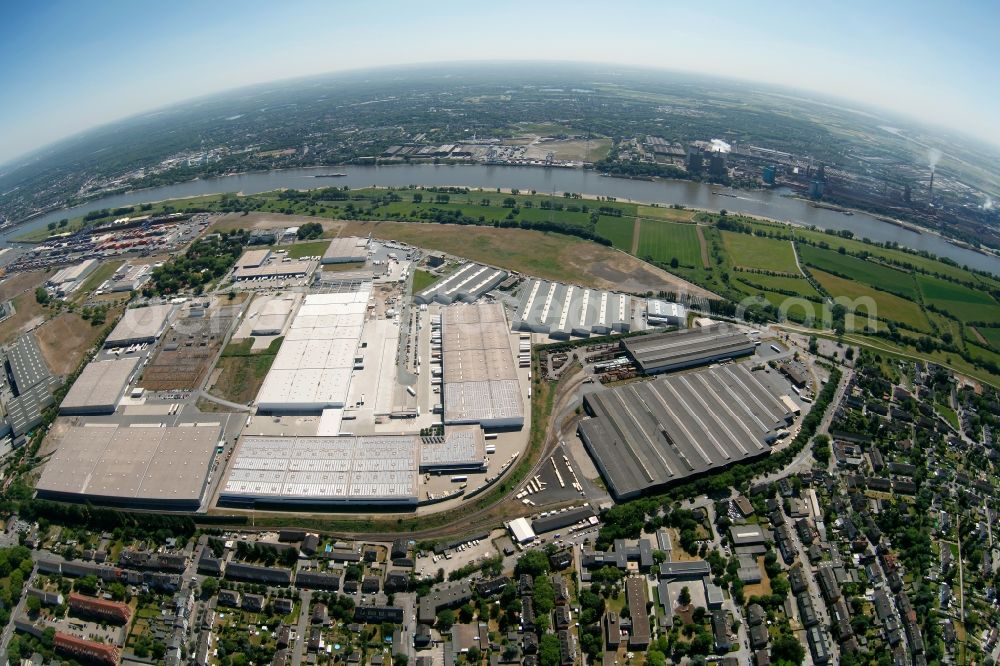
[[766, 204]]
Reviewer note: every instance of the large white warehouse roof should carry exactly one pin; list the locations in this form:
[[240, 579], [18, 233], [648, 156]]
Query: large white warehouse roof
[[312, 370]]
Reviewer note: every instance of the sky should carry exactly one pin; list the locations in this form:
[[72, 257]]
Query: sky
[[66, 66]]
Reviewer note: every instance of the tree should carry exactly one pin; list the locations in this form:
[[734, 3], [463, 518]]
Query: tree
[[684, 598], [787, 648], [42, 296], [117, 591], [533, 563], [445, 619], [87, 584], [209, 587], [548, 650], [656, 658], [544, 596], [34, 604]]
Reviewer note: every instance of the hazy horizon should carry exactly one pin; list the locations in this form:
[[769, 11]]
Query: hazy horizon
[[93, 67]]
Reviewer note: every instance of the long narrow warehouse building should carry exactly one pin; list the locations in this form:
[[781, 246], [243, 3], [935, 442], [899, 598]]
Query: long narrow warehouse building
[[653, 434], [664, 352], [466, 284], [562, 311], [312, 370], [480, 376]]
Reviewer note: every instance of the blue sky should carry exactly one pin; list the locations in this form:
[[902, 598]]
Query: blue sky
[[67, 66]]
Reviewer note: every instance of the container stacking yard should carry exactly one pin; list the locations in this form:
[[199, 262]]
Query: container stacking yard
[[653, 434]]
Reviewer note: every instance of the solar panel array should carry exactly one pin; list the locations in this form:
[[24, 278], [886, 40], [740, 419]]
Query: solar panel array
[[462, 447], [324, 470]]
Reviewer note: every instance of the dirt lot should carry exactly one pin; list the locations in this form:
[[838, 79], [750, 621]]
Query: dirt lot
[[272, 221], [544, 255], [65, 339], [573, 149], [19, 282], [28, 313], [549, 256]]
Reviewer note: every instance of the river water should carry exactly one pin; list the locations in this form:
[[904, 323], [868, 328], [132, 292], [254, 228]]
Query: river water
[[765, 203]]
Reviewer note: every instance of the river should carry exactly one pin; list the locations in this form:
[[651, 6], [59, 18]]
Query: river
[[765, 203]]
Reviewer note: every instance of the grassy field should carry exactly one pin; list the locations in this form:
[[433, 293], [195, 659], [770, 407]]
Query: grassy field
[[309, 249], [663, 241], [764, 253], [887, 305], [867, 272], [26, 311], [65, 338], [95, 279], [546, 255], [949, 415], [422, 280], [958, 300], [898, 256], [243, 370], [774, 283], [991, 335], [666, 213], [618, 230]]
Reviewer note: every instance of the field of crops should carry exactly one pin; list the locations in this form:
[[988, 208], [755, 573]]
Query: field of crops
[[666, 213], [618, 230], [898, 256], [800, 286], [871, 274], [958, 300], [992, 336], [663, 241], [887, 306], [763, 253]]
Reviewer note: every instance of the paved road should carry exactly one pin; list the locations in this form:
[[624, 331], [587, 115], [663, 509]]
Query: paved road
[[226, 403], [302, 628], [803, 461]]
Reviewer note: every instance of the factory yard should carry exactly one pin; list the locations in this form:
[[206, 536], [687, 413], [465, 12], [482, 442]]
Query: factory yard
[[347, 390], [190, 346]]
